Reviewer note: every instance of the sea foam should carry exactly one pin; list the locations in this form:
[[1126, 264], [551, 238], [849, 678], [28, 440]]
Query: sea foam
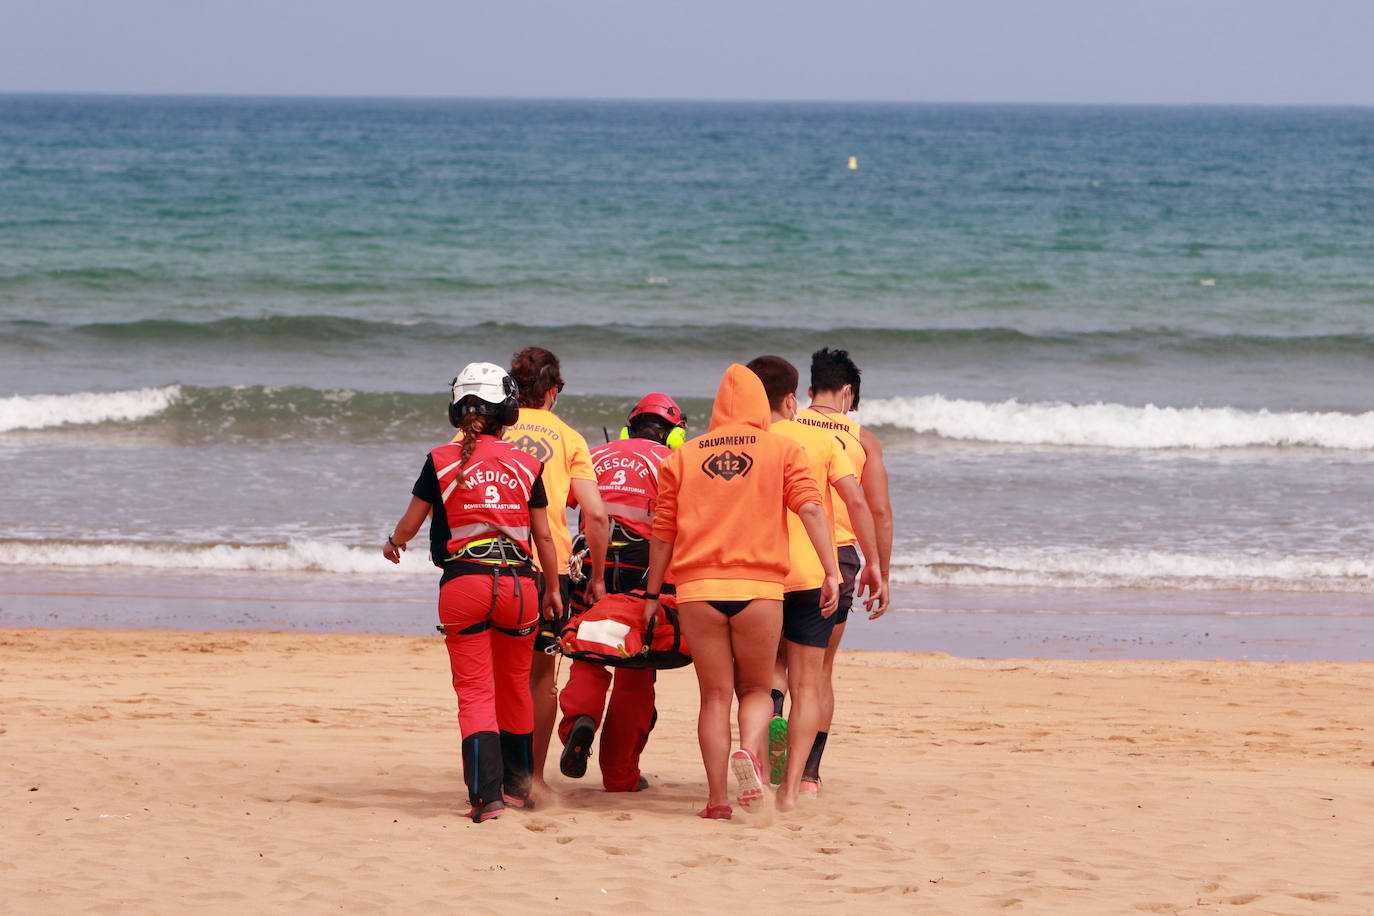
[[40, 411], [1149, 569], [1025, 567], [1119, 426], [295, 556]]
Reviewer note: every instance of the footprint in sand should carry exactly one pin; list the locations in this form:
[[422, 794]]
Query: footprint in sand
[[874, 841], [708, 860], [542, 827]]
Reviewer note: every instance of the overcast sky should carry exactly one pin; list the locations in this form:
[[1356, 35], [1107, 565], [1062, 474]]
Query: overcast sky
[[1169, 51]]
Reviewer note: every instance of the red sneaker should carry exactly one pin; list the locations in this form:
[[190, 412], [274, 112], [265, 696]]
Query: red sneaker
[[716, 812]]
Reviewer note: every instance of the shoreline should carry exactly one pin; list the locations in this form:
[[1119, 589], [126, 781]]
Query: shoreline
[[964, 622], [222, 771]]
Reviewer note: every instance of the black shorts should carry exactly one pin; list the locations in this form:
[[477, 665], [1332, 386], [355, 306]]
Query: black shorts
[[849, 573], [802, 622], [547, 635]]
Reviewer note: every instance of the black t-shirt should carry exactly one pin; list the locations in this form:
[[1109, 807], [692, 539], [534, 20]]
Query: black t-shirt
[[427, 488]]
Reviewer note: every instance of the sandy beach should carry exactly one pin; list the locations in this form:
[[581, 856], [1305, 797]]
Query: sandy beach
[[274, 772]]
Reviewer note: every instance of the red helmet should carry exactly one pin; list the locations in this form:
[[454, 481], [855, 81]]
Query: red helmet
[[660, 405]]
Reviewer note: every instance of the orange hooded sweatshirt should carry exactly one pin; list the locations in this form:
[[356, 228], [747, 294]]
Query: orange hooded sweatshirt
[[723, 499]]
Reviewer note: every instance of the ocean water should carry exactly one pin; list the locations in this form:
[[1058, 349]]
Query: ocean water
[[1117, 350]]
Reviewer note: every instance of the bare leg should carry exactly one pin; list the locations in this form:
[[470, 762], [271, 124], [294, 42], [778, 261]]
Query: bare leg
[[827, 689], [708, 633], [780, 670], [805, 672], [754, 635], [545, 696]]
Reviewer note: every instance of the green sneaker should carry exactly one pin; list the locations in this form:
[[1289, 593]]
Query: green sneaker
[[777, 750]]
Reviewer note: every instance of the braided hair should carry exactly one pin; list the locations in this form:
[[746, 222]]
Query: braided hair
[[472, 424]]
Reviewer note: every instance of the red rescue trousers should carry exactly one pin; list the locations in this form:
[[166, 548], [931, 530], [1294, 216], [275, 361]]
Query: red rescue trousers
[[491, 665], [628, 719]]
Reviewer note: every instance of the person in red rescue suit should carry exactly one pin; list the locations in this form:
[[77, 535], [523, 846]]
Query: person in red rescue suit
[[488, 515], [627, 476]]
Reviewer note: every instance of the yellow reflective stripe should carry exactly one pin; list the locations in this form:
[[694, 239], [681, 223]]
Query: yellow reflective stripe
[[484, 542], [500, 562]]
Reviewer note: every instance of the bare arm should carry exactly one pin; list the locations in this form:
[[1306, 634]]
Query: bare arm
[[879, 502], [544, 548], [862, 519], [817, 525], [597, 526], [406, 528], [660, 555]]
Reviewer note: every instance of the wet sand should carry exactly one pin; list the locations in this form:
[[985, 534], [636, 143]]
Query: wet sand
[[964, 622]]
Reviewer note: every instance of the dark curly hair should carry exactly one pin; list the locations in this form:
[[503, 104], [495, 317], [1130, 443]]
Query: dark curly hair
[[537, 372]]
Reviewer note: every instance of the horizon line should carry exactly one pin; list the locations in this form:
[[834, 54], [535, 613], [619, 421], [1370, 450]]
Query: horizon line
[[418, 97]]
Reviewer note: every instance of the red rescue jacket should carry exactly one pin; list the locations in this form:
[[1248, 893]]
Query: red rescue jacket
[[627, 476], [496, 499]]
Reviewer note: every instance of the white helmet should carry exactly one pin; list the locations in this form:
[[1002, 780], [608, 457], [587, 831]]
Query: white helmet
[[484, 388]]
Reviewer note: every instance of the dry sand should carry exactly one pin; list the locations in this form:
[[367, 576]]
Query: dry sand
[[292, 772]]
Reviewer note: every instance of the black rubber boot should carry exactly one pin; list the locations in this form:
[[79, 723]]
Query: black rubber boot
[[482, 768], [517, 759]]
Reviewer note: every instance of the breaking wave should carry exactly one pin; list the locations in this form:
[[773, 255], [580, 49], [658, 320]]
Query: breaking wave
[[40, 411], [295, 556], [1120, 426], [1088, 568]]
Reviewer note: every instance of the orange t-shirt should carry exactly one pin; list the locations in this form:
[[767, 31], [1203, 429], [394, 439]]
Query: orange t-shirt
[[566, 458], [723, 499], [829, 465], [846, 432]]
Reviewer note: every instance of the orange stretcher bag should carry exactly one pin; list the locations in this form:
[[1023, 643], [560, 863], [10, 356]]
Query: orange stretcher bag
[[611, 632]]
